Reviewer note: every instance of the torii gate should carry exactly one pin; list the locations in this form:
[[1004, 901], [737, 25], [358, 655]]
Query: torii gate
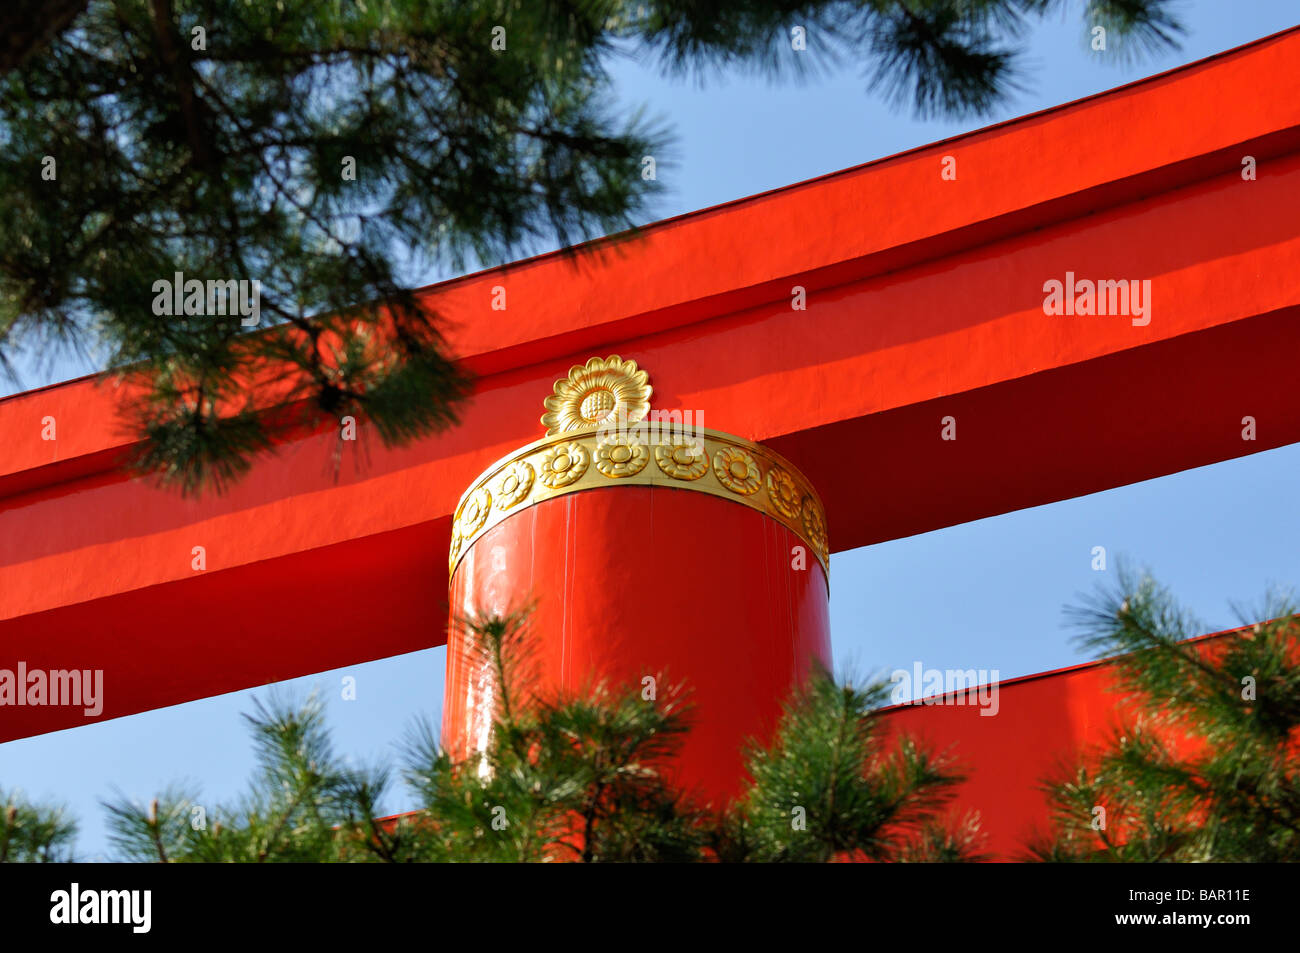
[[925, 312]]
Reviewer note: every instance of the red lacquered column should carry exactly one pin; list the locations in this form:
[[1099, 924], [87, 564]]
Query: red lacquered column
[[695, 559]]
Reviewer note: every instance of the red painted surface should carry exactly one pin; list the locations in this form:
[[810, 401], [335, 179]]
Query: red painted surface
[[636, 581], [179, 641], [1044, 722], [1044, 725]]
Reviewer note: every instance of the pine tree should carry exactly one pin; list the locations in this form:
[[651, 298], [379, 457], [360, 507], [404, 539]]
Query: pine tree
[[1204, 766], [304, 804], [337, 152], [831, 785], [34, 833]]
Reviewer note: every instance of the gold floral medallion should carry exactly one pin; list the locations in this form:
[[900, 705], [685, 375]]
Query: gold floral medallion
[[514, 484], [783, 492], [737, 470], [474, 512], [564, 464], [604, 390], [814, 524], [621, 455], [682, 458]]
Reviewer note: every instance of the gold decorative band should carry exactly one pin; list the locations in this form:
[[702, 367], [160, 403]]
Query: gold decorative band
[[706, 461]]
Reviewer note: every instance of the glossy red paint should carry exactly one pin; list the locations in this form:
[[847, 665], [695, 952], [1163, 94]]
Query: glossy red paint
[[631, 582], [175, 642], [1039, 729], [1043, 723]]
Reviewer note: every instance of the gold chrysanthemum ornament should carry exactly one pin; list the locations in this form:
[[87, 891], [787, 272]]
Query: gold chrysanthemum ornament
[[565, 463], [621, 455], [597, 435], [783, 492], [514, 484], [602, 390], [737, 470], [682, 457]]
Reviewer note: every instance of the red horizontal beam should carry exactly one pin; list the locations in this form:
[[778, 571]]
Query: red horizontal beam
[[1033, 731], [222, 631]]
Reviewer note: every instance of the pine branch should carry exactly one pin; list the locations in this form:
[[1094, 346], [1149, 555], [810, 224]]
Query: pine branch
[[1211, 774]]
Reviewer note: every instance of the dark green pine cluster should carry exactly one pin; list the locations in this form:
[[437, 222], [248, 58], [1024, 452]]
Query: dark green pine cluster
[[339, 153], [33, 833], [835, 785], [1205, 765]]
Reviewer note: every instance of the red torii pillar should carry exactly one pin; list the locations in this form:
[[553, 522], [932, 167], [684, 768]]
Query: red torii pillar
[[654, 556]]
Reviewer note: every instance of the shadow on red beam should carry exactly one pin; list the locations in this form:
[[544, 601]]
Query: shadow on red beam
[[1059, 434]]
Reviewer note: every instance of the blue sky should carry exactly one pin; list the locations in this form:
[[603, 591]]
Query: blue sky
[[985, 595]]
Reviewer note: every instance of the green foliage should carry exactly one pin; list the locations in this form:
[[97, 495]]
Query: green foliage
[[34, 833], [218, 139], [1206, 767], [304, 805], [832, 785]]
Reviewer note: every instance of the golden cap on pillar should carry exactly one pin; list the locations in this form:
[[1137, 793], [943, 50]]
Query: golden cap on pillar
[[598, 435]]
